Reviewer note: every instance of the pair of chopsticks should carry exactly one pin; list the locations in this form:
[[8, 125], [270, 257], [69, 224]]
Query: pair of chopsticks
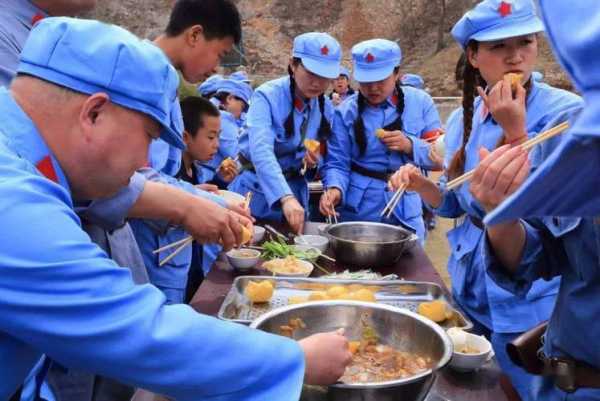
[[330, 219], [544, 136], [181, 244], [391, 205]]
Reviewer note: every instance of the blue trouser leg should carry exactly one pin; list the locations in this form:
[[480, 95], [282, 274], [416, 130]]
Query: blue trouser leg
[[521, 380]]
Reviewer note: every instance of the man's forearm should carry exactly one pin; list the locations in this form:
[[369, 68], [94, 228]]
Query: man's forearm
[[508, 242]]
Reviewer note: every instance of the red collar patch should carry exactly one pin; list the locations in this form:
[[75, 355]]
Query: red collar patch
[[324, 50], [394, 99], [47, 169], [505, 9], [36, 18], [370, 58], [298, 104]]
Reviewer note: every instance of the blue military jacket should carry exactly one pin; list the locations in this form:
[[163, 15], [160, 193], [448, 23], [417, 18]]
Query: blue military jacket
[[265, 144], [476, 292], [363, 198], [61, 295]]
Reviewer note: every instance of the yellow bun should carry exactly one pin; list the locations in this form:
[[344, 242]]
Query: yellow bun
[[312, 145], [259, 292], [515, 80], [246, 235], [434, 310], [380, 133]]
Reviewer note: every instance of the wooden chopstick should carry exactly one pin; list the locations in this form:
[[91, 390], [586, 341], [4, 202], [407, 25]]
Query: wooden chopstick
[[544, 136], [171, 245], [247, 200], [187, 242], [391, 205]]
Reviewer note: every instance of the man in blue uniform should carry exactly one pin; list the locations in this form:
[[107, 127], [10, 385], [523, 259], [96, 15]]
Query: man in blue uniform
[[564, 184], [62, 136]]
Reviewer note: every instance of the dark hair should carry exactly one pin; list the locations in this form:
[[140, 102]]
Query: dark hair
[[222, 96], [193, 109], [359, 124], [288, 125], [471, 80], [218, 18]]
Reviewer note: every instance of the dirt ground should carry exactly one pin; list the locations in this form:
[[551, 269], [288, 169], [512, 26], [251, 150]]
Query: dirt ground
[[436, 245], [437, 249]]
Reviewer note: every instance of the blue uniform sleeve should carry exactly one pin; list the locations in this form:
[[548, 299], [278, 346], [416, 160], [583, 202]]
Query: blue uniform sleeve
[[111, 213], [531, 268], [61, 295], [337, 164], [228, 140], [261, 135], [431, 120], [9, 57], [450, 207]]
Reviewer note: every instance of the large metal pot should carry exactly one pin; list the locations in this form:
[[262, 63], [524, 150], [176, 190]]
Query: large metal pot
[[396, 327], [368, 245]]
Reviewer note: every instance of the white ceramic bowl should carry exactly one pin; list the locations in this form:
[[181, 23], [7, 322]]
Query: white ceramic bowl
[[308, 248], [308, 268], [316, 241], [259, 234], [464, 362], [232, 197], [243, 262]]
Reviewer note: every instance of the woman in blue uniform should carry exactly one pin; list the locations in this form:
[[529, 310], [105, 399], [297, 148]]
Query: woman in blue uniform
[[283, 114], [358, 162], [498, 38]]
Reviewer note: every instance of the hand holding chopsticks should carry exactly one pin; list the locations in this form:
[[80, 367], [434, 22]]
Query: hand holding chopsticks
[[544, 136], [394, 200], [330, 198]]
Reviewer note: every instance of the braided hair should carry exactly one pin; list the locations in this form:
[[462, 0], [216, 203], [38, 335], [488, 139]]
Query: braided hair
[[471, 79], [359, 124]]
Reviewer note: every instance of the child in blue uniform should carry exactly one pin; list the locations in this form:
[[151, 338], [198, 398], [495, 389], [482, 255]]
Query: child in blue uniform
[[498, 38], [233, 96], [358, 162], [283, 113]]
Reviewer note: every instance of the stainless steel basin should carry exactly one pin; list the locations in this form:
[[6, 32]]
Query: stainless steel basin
[[368, 245], [396, 327]]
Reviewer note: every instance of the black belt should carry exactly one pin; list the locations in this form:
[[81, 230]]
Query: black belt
[[569, 374], [289, 174], [378, 175]]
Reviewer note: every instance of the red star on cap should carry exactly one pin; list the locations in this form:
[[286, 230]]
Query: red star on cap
[[36, 18], [370, 58], [505, 9], [325, 50]]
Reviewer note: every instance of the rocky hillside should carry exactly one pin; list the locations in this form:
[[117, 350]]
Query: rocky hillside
[[270, 26]]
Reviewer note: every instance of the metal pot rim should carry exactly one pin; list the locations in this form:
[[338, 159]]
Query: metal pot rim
[[444, 360], [410, 237]]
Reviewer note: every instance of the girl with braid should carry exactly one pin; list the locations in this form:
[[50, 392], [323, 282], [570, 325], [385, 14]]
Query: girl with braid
[[498, 38], [283, 114], [361, 157]]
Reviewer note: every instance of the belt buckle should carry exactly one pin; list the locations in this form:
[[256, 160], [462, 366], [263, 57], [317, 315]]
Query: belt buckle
[[564, 373]]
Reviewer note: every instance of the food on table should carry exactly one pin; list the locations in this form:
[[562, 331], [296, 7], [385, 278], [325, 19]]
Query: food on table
[[246, 235], [515, 80], [460, 340], [363, 295], [366, 274], [375, 362], [336, 291], [289, 329], [380, 133], [318, 296], [259, 292], [437, 310], [277, 249], [244, 253], [297, 299], [312, 145], [288, 265]]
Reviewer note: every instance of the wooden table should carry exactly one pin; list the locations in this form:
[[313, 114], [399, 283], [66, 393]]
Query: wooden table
[[484, 385]]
